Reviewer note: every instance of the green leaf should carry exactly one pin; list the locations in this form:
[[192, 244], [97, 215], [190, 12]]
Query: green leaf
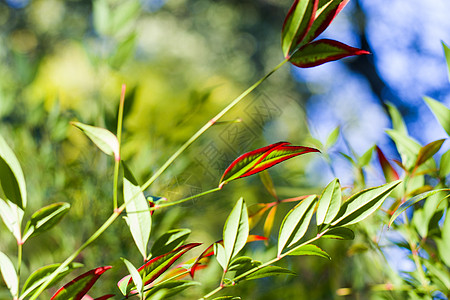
[[397, 120], [364, 160], [339, 233], [261, 159], [236, 230], [268, 183], [296, 223], [332, 137], [413, 201], [444, 165], [123, 14], [441, 112], [172, 287], [243, 264], [296, 24], [77, 288], [362, 204], [9, 274], [447, 57], [219, 252], [310, 250], [12, 180], [329, 203], [123, 52], [12, 216], [40, 276], [101, 16], [103, 138], [443, 244], [227, 297], [266, 272], [45, 218], [268, 224], [407, 147], [427, 151], [322, 51], [169, 241], [135, 276], [138, 215]]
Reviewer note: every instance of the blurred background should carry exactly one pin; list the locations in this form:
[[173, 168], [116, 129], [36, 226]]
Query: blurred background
[[182, 62]]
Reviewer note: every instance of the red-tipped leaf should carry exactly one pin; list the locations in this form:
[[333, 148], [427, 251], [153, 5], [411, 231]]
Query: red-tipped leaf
[[389, 172], [261, 159], [323, 51], [77, 288]]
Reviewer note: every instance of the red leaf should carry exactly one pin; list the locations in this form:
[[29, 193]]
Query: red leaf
[[78, 287], [389, 172], [323, 51], [260, 159]]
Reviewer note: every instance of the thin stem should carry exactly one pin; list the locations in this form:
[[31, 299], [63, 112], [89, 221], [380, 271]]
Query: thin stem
[[19, 265], [119, 139], [174, 156]]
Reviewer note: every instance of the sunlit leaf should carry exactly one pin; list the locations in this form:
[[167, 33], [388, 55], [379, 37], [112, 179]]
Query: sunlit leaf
[[260, 159], [323, 51], [40, 276], [339, 233], [138, 215], [427, 151], [221, 256], [12, 180], [310, 249], [45, 218], [332, 137], [329, 203], [268, 183], [12, 216], [389, 172], [103, 138], [255, 213], [441, 112], [447, 57], [172, 287], [268, 224], [155, 267], [236, 230], [296, 223], [364, 159], [135, 276], [443, 244], [362, 204], [268, 271], [413, 201], [9, 274], [77, 288], [324, 16], [296, 24], [444, 165], [406, 146], [169, 241], [398, 123]]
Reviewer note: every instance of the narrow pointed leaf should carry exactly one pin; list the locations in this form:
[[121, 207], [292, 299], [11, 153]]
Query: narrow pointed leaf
[[444, 164], [398, 123], [172, 287], [296, 223], [323, 51], [135, 276], [362, 204], [339, 233], [441, 112], [389, 172], [332, 137], [155, 267], [324, 16], [268, 224], [221, 257], [103, 138], [310, 249], [413, 201], [427, 151], [12, 180], [268, 271], [255, 213], [236, 230], [364, 159], [329, 203], [261, 159], [12, 216], [268, 183], [296, 24], [77, 288], [9, 274], [447, 57], [45, 218], [406, 146], [138, 217], [40, 276], [170, 240]]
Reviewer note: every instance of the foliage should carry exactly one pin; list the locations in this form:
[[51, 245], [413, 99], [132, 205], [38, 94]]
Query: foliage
[[419, 196]]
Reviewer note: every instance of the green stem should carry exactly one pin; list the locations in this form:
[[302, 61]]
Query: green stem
[[19, 266], [274, 260], [119, 139], [174, 156]]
